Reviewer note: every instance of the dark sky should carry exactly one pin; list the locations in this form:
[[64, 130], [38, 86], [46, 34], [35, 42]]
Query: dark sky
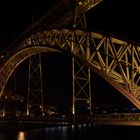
[[115, 17], [17, 16]]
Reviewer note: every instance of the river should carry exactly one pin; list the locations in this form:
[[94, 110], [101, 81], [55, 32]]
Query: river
[[80, 132]]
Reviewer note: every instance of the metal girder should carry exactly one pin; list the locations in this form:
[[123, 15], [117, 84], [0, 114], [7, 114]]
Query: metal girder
[[85, 5], [35, 86], [63, 15], [14, 60], [80, 71], [81, 87], [115, 60], [111, 57], [81, 82]]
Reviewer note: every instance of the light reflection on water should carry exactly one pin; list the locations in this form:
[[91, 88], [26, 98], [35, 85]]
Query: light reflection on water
[[79, 132], [21, 136]]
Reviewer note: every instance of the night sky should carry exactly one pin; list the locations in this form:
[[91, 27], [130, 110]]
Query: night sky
[[115, 17]]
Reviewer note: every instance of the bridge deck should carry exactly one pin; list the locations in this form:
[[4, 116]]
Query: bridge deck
[[127, 119]]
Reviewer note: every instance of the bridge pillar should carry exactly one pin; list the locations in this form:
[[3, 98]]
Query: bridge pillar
[[81, 87], [81, 82], [35, 88]]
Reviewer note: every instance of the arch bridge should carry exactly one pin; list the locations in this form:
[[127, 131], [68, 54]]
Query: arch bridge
[[117, 61], [114, 59]]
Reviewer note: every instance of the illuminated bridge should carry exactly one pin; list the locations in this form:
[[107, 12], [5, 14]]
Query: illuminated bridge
[[63, 30]]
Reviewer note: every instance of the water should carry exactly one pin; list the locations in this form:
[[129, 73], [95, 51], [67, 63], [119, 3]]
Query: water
[[81, 132]]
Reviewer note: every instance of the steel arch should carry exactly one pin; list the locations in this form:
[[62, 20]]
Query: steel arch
[[116, 60], [12, 63]]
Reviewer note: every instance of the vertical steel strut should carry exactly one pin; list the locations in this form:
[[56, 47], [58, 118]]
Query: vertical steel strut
[[35, 88], [81, 83]]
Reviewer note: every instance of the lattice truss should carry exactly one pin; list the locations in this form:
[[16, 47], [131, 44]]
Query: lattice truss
[[35, 89], [115, 60]]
